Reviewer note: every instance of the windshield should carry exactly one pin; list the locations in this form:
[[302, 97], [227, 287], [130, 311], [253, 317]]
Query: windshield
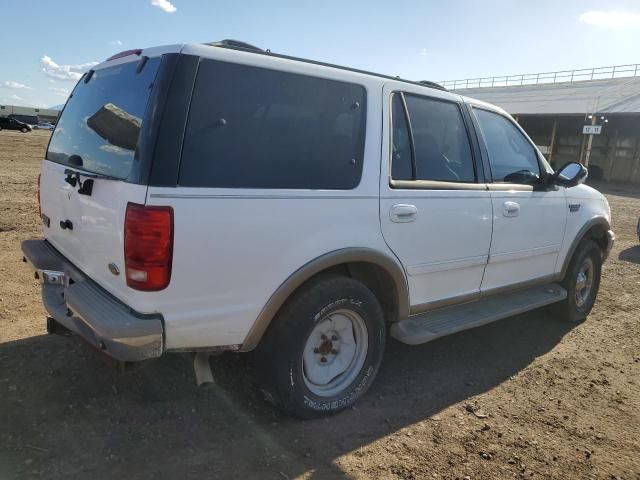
[[99, 127]]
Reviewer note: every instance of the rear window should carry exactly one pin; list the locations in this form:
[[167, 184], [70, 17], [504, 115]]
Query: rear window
[[99, 127], [250, 127]]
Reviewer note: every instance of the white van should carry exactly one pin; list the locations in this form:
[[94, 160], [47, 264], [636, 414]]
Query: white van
[[218, 197]]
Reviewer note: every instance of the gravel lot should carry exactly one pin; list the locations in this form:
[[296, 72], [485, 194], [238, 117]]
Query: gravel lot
[[527, 397]]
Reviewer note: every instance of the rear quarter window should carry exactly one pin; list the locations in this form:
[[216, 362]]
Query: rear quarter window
[[250, 127]]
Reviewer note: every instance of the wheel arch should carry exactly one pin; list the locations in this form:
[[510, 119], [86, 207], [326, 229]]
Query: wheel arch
[[376, 270], [595, 229]]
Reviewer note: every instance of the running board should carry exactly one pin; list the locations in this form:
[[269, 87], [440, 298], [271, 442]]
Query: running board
[[431, 325]]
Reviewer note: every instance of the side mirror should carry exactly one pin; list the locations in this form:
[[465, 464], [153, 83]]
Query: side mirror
[[570, 175]]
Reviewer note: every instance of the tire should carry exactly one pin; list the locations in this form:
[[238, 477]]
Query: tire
[[580, 297], [24, 130], [310, 342]]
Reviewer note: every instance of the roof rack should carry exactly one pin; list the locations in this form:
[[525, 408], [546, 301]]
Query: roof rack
[[243, 46]]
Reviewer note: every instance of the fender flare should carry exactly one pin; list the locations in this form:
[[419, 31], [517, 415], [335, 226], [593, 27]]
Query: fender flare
[[317, 265], [593, 222]]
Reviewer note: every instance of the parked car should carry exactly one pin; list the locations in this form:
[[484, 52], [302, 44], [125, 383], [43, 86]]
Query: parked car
[[254, 202], [13, 124], [45, 126]]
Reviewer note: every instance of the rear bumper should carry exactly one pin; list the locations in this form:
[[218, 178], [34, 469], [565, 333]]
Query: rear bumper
[[82, 306]]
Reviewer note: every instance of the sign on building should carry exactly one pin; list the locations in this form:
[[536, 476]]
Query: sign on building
[[592, 129], [544, 149]]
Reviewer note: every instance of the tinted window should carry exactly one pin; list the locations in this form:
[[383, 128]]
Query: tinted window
[[99, 127], [254, 128], [511, 156], [440, 138], [401, 149]]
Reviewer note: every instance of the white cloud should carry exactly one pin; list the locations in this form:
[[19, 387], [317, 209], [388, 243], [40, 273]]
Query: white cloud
[[59, 91], [423, 52], [165, 5], [114, 149], [12, 84], [610, 18], [63, 72], [117, 43], [15, 97]]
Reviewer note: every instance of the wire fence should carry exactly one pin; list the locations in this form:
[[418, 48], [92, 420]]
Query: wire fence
[[563, 76]]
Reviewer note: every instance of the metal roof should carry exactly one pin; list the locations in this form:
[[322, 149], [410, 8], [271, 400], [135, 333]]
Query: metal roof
[[616, 95]]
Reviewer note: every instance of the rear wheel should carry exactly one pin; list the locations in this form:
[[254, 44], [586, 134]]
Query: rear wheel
[[323, 349], [582, 282]]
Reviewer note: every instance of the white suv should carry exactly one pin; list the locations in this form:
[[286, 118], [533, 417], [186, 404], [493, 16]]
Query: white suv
[[218, 197]]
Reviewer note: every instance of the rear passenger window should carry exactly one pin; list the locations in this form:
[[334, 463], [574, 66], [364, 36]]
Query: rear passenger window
[[249, 127], [511, 155], [442, 149]]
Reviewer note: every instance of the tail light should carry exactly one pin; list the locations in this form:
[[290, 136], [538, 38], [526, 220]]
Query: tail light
[[38, 190], [148, 246]]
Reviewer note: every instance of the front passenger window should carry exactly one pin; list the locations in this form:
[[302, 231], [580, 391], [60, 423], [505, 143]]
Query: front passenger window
[[511, 156]]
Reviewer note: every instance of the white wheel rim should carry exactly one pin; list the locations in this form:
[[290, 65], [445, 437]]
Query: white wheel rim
[[334, 353], [584, 282]]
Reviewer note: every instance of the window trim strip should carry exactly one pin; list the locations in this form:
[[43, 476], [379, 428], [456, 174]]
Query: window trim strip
[[435, 185]]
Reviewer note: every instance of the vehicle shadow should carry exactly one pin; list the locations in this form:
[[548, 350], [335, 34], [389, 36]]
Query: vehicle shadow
[[67, 414], [631, 254]]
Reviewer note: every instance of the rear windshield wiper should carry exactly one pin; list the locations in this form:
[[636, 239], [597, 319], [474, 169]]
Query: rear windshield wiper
[[70, 172], [85, 187]]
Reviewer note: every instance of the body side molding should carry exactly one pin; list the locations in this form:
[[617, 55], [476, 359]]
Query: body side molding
[[328, 260]]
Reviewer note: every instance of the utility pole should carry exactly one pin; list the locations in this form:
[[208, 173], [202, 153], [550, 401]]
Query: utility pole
[[587, 154], [552, 143]]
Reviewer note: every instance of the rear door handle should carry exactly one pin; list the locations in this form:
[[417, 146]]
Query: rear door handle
[[403, 213], [510, 209]]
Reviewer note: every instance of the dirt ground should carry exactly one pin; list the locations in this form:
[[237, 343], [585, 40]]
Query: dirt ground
[[528, 397]]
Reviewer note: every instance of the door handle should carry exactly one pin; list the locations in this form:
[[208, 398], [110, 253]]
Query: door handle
[[403, 213], [510, 209]]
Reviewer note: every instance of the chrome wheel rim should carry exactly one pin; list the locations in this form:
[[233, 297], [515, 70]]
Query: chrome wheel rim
[[334, 353], [584, 282]]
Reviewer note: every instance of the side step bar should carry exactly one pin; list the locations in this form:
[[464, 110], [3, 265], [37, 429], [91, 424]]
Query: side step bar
[[431, 325]]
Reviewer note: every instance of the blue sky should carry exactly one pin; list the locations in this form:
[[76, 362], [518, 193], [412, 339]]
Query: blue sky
[[47, 44]]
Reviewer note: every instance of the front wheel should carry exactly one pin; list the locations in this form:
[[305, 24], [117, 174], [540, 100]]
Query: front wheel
[[24, 129], [582, 282], [323, 349]]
